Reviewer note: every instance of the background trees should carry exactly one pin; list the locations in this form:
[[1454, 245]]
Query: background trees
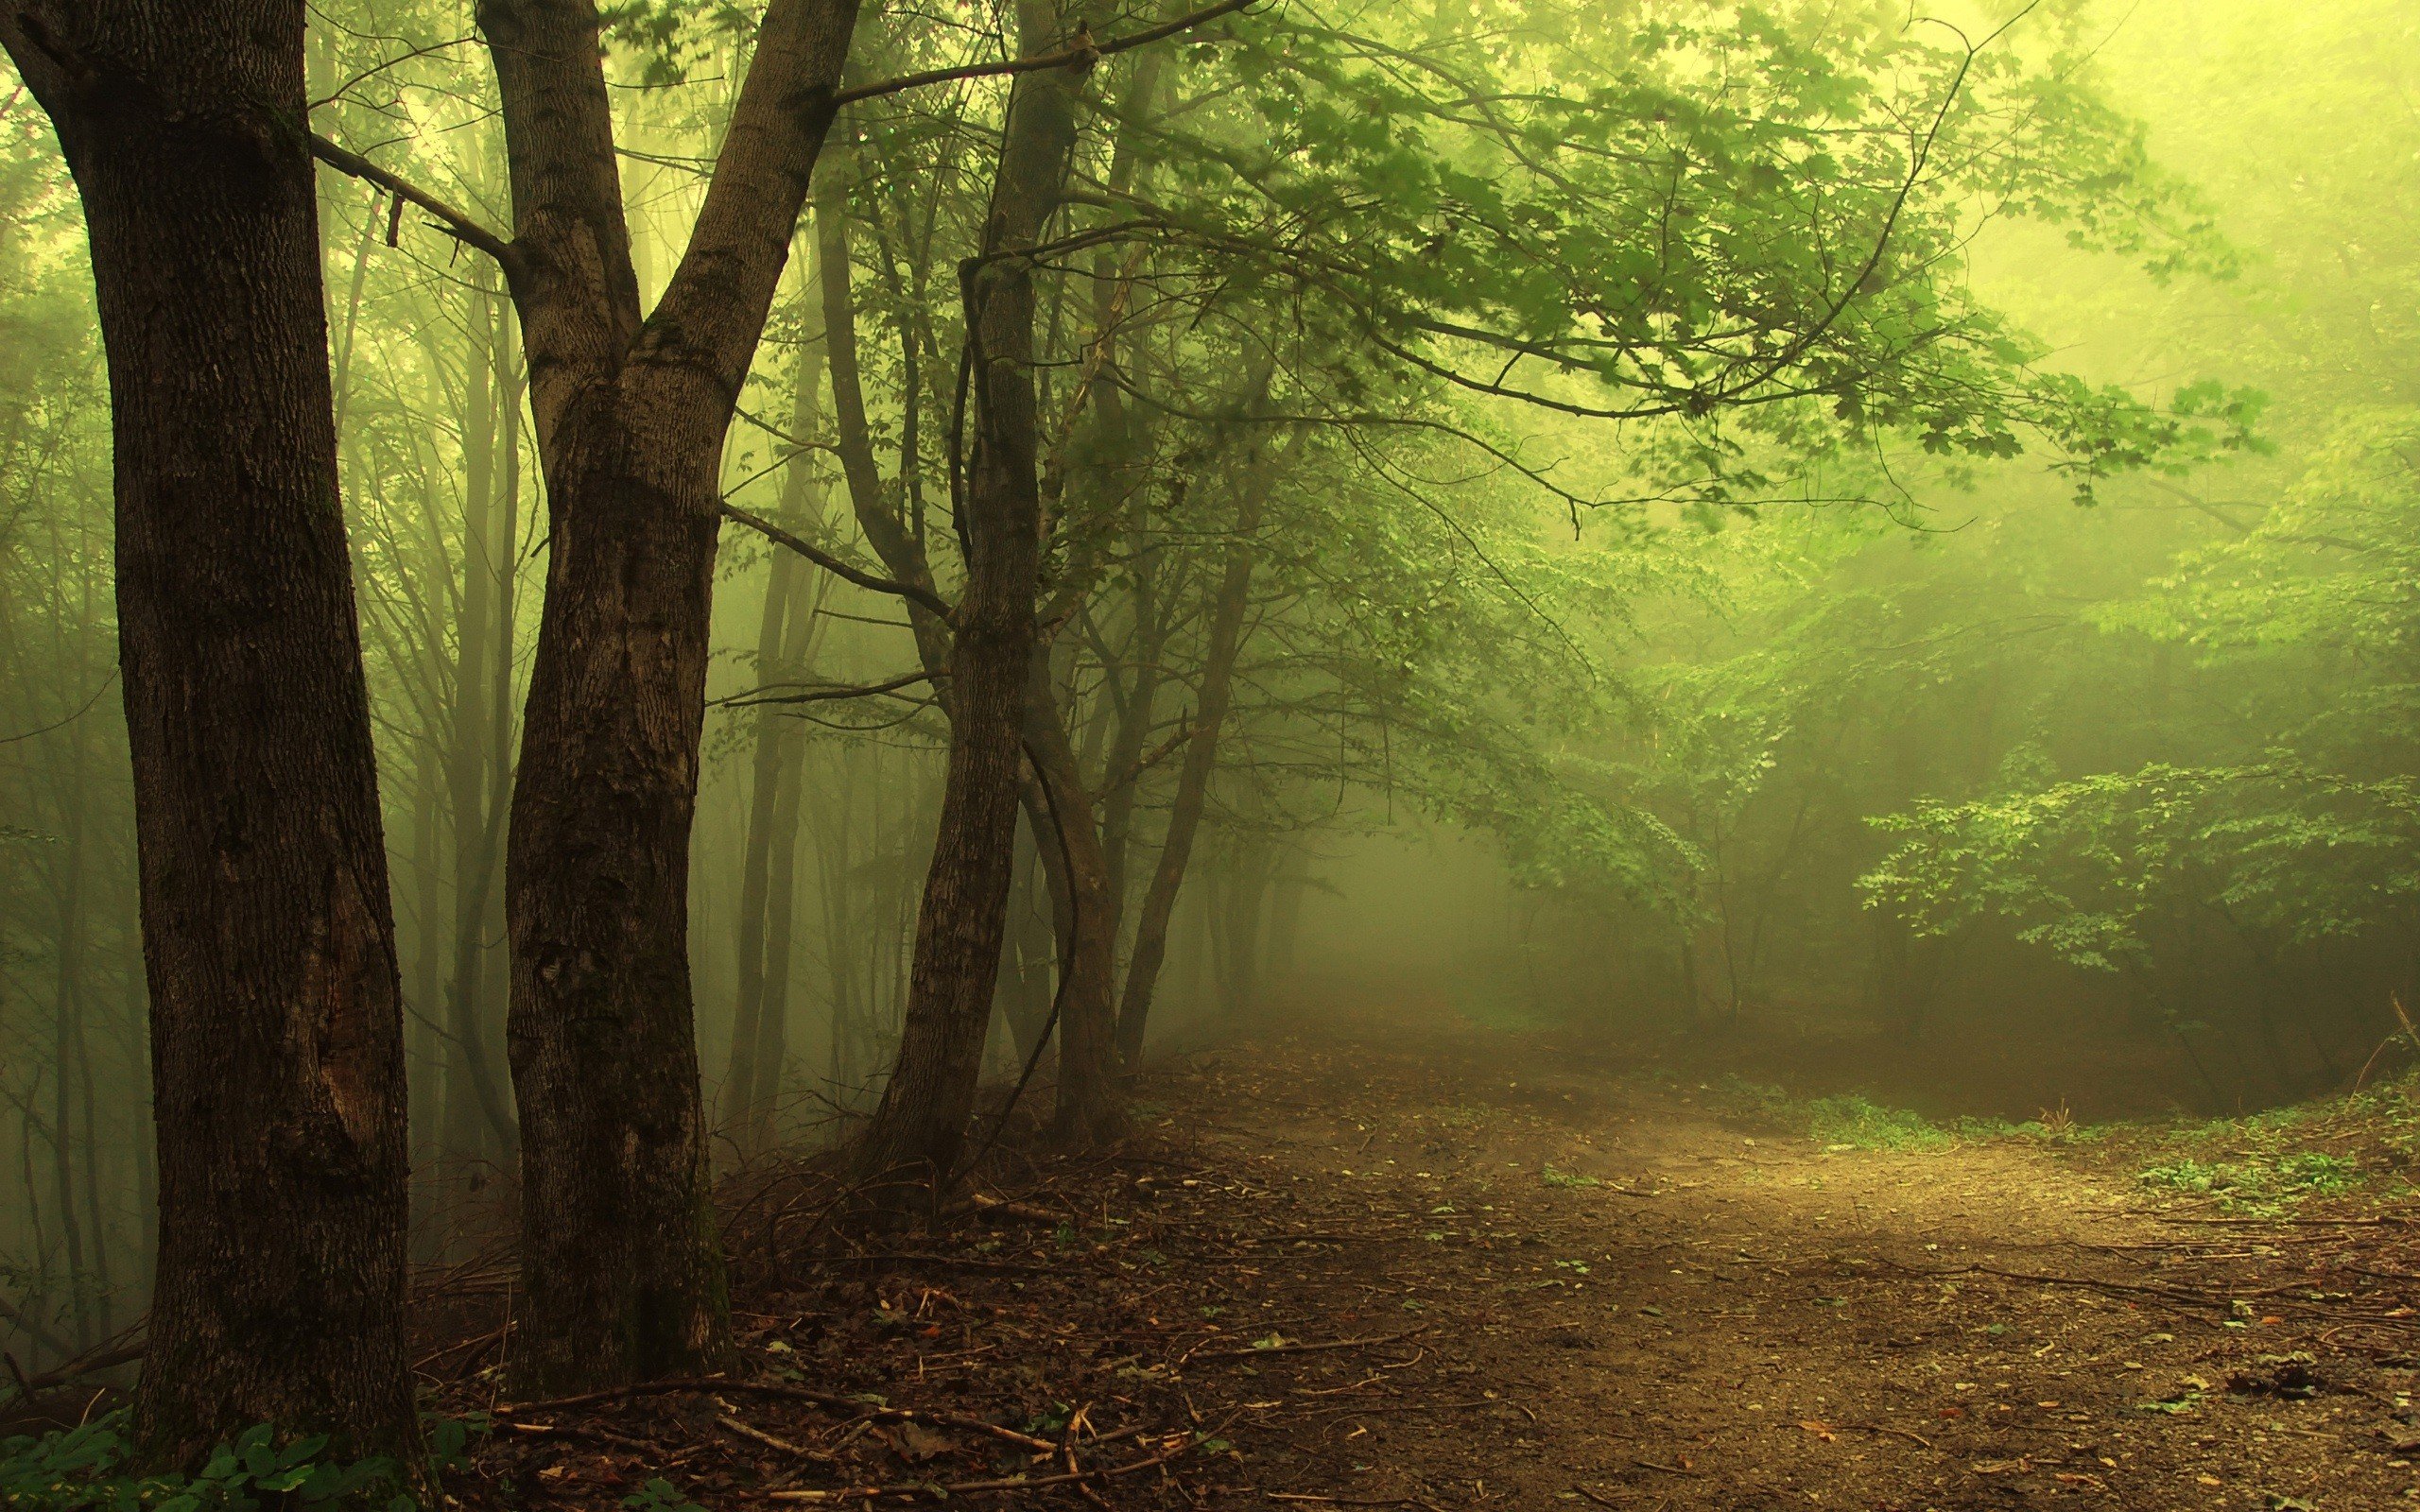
[[1617, 434]]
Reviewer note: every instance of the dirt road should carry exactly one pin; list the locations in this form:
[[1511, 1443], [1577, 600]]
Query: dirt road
[[1620, 1298], [1453, 1271]]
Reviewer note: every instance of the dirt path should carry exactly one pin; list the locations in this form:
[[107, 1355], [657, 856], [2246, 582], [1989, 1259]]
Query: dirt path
[[1460, 1270], [1728, 1322]]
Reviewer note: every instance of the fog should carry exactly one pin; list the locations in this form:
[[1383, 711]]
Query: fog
[[2018, 718]]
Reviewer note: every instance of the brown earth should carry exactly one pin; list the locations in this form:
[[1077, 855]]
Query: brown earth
[[1453, 1269]]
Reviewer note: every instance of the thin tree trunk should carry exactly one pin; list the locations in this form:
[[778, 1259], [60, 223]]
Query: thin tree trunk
[[268, 941], [781, 917], [1193, 779], [920, 1127], [66, 1024], [740, 1091], [768, 880], [476, 1122], [1060, 812]]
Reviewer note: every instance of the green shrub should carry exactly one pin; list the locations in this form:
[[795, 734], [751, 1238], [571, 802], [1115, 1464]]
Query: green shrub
[[1868, 1126], [2258, 1185], [85, 1468]]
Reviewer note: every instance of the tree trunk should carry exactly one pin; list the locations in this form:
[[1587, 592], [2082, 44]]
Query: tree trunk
[[920, 1127], [478, 1123], [757, 856], [618, 1232], [1060, 812], [768, 880], [1193, 779], [1026, 963], [268, 941]]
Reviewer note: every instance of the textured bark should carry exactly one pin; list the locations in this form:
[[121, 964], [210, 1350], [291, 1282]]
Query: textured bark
[[920, 1127], [268, 943], [1193, 779], [617, 1232]]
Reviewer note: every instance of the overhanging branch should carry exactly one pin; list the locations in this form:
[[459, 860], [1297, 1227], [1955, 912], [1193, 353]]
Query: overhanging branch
[[838, 568], [1086, 52], [457, 224]]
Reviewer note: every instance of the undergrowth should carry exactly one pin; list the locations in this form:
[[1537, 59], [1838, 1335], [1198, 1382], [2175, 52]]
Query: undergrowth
[[88, 1467], [1853, 1121], [2261, 1184], [2261, 1164]]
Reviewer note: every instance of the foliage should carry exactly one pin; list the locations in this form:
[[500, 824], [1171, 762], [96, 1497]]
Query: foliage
[[88, 1468], [2082, 865], [1866, 1125], [2260, 1185]]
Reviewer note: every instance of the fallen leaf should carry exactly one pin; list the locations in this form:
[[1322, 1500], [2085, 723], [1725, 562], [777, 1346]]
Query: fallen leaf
[[1821, 1430]]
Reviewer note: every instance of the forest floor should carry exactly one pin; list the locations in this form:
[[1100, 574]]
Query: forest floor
[[1455, 1268]]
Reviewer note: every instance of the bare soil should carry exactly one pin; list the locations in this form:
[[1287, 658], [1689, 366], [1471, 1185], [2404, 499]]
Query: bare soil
[[1443, 1269]]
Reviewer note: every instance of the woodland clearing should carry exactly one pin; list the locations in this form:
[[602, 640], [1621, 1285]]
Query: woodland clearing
[[1464, 1267]]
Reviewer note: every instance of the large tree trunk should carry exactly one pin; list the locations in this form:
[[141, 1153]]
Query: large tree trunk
[[268, 942], [920, 1127], [1193, 779], [617, 1234]]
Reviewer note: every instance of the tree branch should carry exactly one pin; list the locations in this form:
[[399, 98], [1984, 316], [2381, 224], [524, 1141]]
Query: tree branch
[[756, 697], [456, 224], [1086, 52], [838, 568]]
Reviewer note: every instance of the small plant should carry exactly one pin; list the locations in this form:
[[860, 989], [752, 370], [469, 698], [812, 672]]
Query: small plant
[[2260, 1185], [86, 1468], [660, 1495], [1567, 1178], [1868, 1126]]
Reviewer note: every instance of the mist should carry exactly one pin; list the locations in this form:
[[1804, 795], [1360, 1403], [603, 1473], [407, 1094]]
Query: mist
[[918, 670]]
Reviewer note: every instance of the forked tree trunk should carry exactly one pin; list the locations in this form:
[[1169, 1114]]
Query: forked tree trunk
[[268, 943], [919, 1128], [617, 1234]]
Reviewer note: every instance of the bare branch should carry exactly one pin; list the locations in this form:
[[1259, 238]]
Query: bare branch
[[458, 224], [827, 694], [834, 565], [1086, 52]]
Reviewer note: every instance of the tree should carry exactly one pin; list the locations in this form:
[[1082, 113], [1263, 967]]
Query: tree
[[631, 407], [267, 937]]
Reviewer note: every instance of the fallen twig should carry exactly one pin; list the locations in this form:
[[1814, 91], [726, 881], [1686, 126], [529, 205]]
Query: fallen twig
[[1251, 1351]]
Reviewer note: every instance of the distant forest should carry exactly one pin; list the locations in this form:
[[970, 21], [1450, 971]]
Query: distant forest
[[590, 595]]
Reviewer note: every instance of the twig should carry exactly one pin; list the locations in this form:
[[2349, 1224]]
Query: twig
[[759, 1435], [1255, 1351], [1085, 54], [788, 1393], [1014, 1483]]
